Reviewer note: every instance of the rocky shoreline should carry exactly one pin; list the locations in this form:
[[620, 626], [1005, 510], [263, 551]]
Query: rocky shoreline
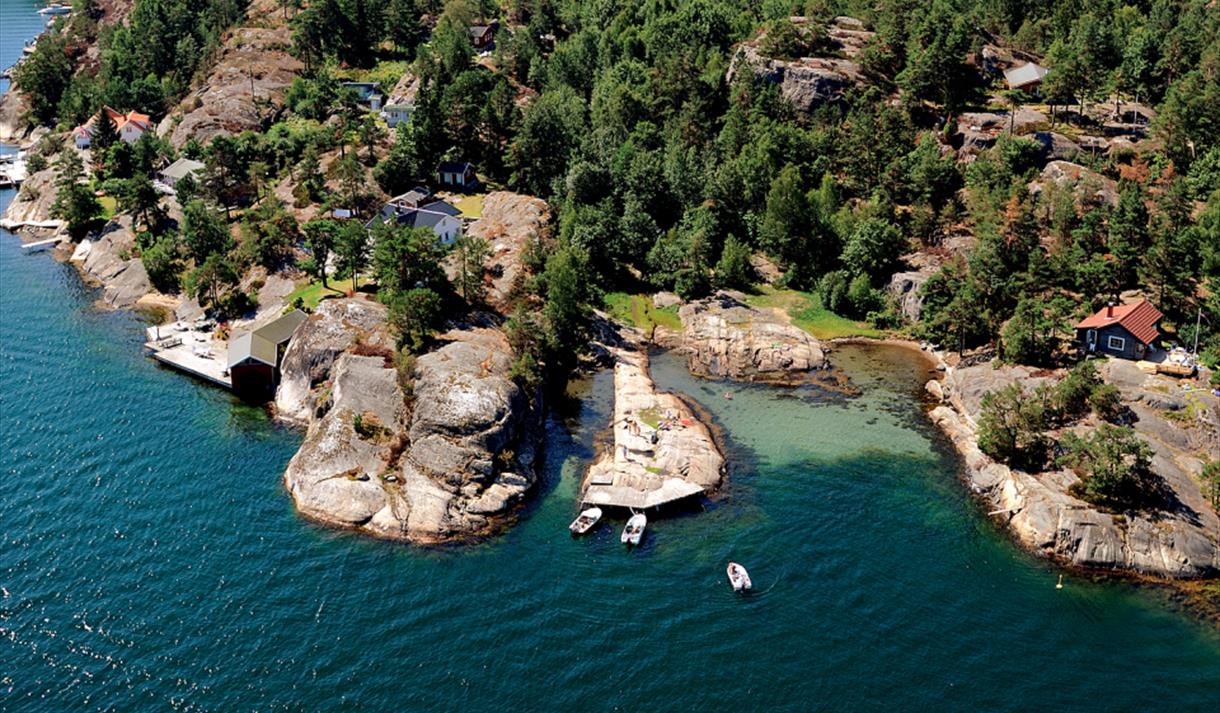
[[377, 461], [1178, 543], [660, 449]]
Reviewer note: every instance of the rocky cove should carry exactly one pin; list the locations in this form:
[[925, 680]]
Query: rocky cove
[[451, 482], [454, 485], [447, 448]]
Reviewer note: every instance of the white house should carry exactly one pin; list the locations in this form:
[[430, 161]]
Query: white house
[[441, 217], [130, 127], [395, 114], [179, 170]]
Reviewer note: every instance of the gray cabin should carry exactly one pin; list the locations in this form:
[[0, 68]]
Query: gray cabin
[[1123, 331]]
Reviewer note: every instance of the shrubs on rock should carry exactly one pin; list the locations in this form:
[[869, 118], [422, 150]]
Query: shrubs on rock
[[1011, 428], [1211, 483], [1113, 466], [1013, 423]]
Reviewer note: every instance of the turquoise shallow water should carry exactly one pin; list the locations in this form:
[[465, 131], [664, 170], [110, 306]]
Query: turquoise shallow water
[[150, 560]]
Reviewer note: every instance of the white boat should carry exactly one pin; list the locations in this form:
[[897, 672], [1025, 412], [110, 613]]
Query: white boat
[[55, 9], [585, 521], [739, 577], [634, 529]]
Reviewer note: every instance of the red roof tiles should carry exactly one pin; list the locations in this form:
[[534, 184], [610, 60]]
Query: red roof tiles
[[119, 119], [1139, 319]]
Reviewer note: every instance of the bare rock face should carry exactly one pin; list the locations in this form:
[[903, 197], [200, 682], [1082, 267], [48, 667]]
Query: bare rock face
[[333, 329], [1089, 186], [1056, 147], [661, 450], [13, 106], [849, 36], [473, 438], [110, 262], [509, 222], [907, 289], [726, 338], [977, 131], [248, 80], [808, 82], [1177, 541], [337, 476], [451, 467], [33, 202]]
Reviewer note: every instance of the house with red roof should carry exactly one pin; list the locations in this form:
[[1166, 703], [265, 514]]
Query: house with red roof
[[1124, 331], [130, 126]]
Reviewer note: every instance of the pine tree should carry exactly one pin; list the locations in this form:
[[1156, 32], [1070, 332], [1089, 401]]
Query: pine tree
[[320, 240], [1127, 236], [472, 253]]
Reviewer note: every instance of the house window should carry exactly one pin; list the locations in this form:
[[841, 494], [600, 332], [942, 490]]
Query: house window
[[1117, 344]]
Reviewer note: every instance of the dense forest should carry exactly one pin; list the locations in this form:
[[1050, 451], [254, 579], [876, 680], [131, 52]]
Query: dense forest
[[670, 166]]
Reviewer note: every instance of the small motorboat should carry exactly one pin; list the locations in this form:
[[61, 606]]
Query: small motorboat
[[739, 577], [55, 9], [634, 529], [585, 521]]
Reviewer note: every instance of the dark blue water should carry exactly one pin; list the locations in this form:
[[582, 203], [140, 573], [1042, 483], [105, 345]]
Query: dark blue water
[[150, 560]]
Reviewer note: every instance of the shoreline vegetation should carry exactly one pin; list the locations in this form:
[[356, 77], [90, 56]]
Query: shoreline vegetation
[[791, 178]]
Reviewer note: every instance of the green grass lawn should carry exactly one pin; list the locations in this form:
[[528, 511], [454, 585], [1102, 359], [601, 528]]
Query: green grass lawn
[[639, 312], [471, 206], [313, 292], [807, 312], [109, 206], [386, 73]]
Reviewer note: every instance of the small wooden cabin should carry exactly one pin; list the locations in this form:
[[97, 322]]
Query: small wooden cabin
[[1123, 331]]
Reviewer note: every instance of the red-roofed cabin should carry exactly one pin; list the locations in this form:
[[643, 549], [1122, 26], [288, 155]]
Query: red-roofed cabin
[[1124, 331]]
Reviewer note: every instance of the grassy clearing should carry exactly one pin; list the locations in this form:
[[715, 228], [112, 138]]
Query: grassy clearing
[[385, 73], [639, 312], [651, 417], [471, 206], [312, 293], [109, 206], [807, 312]]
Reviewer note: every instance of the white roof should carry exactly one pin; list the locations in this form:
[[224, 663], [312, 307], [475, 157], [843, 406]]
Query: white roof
[[1025, 74], [180, 168]]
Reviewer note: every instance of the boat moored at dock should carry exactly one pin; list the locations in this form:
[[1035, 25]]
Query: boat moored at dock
[[634, 530], [585, 521]]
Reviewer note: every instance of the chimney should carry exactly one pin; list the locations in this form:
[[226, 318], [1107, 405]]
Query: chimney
[[1110, 310]]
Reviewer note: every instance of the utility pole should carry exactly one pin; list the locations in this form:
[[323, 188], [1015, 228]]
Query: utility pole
[[1198, 323]]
